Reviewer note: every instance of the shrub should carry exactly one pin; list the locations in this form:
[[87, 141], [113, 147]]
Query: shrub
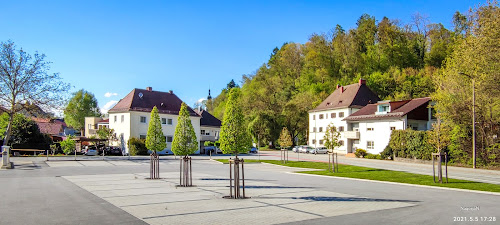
[[373, 156], [137, 146], [387, 153], [360, 153], [411, 144]]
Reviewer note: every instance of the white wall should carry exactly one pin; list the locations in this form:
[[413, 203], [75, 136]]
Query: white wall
[[380, 135], [323, 123], [132, 126]]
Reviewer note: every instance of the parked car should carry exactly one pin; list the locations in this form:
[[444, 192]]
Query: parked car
[[111, 150], [295, 149], [253, 150], [304, 149], [319, 150], [91, 152]]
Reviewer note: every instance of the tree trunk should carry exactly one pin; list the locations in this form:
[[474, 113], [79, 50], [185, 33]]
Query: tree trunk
[[9, 128]]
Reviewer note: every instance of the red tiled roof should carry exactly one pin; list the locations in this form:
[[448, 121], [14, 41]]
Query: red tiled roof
[[142, 100], [104, 121], [50, 128], [400, 109], [208, 119], [353, 95]]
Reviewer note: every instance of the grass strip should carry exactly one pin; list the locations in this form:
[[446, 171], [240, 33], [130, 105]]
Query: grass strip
[[380, 175]]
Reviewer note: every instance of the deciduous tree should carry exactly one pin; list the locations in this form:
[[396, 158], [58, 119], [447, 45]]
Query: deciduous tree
[[25, 78], [234, 138], [82, 104]]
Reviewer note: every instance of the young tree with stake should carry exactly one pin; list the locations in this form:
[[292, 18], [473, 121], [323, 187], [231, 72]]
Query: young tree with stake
[[185, 143]]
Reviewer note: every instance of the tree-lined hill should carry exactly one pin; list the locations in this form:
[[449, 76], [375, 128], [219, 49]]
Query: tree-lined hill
[[399, 61]]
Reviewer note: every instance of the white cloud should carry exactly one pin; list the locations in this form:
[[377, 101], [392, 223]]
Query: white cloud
[[109, 94], [201, 100], [108, 106]]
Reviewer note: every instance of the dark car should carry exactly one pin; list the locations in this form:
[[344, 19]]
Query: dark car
[[253, 150], [112, 150]]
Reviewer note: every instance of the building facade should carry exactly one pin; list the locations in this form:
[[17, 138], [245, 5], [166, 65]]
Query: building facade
[[370, 128], [131, 115], [343, 102]]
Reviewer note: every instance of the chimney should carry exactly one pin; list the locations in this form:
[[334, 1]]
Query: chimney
[[341, 89], [338, 85], [362, 81], [149, 89], [171, 92]]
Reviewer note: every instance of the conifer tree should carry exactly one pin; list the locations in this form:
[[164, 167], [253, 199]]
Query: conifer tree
[[155, 141], [185, 141]]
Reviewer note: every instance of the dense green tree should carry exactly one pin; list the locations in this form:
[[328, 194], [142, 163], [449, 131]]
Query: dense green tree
[[234, 138], [68, 145], [155, 140], [474, 59], [82, 104], [24, 132], [185, 141]]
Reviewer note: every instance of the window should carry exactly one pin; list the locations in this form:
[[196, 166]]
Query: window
[[341, 143], [207, 133], [393, 128], [370, 144], [313, 141], [169, 121], [90, 126], [163, 120], [341, 114], [169, 139], [326, 115], [341, 129], [202, 132], [142, 136], [143, 119], [333, 115], [369, 128], [115, 119], [320, 129], [321, 116], [314, 129], [314, 117], [123, 118], [320, 142]]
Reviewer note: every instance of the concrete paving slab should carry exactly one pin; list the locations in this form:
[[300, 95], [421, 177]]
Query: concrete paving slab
[[63, 163], [162, 202], [95, 163]]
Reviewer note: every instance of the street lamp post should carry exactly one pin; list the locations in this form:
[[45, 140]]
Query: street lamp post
[[473, 120]]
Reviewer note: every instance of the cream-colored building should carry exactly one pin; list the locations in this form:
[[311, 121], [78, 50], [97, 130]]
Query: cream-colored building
[[344, 101], [131, 115], [92, 124], [209, 128]]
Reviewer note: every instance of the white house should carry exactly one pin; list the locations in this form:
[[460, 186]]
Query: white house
[[370, 128], [209, 128], [130, 116], [343, 102]]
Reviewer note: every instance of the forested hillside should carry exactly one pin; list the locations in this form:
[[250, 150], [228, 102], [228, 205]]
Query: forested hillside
[[399, 61]]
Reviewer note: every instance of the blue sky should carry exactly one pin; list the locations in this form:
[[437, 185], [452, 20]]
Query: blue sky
[[185, 46]]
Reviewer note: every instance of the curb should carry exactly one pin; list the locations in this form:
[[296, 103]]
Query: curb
[[404, 184]]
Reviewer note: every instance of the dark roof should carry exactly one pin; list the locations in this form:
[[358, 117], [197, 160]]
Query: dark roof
[[353, 95], [398, 109], [50, 128], [208, 119], [142, 100]]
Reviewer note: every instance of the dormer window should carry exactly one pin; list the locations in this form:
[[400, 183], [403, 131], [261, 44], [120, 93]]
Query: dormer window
[[383, 109]]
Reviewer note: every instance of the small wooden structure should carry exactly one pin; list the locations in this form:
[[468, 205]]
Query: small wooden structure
[[439, 158], [333, 162], [154, 172], [235, 190], [185, 172], [284, 155]]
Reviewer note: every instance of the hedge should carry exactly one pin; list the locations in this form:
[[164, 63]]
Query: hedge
[[411, 144]]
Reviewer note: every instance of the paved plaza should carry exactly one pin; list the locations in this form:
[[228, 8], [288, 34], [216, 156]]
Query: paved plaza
[[117, 191]]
